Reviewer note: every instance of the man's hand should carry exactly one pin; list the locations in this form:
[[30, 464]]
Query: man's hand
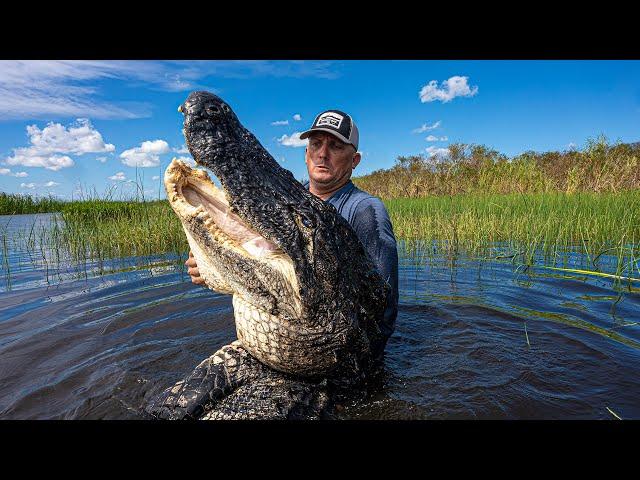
[[193, 270]]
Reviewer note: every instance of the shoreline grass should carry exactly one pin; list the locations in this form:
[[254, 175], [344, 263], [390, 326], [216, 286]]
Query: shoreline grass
[[17, 204], [527, 229], [548, 219]]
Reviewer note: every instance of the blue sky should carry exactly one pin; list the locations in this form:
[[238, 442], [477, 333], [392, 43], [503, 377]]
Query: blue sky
[[87, 126]]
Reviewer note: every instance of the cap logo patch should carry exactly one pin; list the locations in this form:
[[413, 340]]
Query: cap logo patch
[[331, 119]]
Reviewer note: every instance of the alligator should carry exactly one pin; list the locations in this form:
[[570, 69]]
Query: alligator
[[307, 299]]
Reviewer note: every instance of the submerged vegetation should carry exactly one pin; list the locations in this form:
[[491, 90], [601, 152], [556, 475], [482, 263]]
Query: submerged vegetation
[[476, 202]]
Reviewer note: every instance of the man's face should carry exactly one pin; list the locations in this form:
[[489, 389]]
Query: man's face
[[329, 160]]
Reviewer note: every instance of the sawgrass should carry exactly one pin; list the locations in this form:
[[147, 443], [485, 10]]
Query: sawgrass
[[517, 227]]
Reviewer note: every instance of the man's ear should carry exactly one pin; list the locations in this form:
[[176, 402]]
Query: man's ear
[[356, 160]]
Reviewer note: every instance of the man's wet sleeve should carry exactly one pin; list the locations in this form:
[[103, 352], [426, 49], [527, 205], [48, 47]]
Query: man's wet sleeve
[[372, 225]]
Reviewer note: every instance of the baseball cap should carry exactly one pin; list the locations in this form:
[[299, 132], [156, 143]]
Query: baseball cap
[[337, 123]]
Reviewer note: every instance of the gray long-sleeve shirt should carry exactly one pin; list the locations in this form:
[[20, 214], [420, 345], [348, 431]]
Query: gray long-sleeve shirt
[[368, 216]]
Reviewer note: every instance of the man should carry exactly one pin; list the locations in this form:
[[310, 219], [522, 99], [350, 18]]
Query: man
[[331, 156]]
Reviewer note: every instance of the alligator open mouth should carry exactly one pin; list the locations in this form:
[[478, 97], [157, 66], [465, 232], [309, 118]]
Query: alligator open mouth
[[193, 194]]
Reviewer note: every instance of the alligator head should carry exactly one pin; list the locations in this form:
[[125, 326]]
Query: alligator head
[[306, 297]]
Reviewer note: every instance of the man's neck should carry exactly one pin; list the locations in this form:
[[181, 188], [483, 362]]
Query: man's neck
[[324, 193]]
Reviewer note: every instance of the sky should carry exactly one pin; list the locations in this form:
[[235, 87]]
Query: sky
[[79, 129]]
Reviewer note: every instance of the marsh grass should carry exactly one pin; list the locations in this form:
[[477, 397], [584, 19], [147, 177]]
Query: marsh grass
[[16, 204], [545, 229], [528, 229], [97, 237], [103, 230]]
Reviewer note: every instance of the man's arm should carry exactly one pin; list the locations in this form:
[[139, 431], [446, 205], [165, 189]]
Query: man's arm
[[372, 225]]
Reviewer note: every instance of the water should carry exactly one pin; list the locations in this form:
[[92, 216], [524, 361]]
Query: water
[[474, 340]]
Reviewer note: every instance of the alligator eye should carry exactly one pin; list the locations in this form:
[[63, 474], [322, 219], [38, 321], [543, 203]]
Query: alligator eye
[[225, 108], [306, 221], [212, 109]]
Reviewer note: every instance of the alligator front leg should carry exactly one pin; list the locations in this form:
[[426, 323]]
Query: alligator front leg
[[274, 396], [212, 379], [231, 384]]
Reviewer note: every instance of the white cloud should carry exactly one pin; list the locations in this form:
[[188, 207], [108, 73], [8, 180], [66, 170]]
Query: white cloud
[[280, 122], [433, 138], [119, 177], [78, 138], [426, 128], [293, 140], [297, 117], [146, 155], [155, 177], [45, 88], [101, 159], [53, 162], [7, 171], [453, 87], [27, 185], [51, 184], [571, 146], [182, 149], [437, 152]]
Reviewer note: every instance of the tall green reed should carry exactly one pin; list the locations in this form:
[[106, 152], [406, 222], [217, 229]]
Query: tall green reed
[[524, 227]]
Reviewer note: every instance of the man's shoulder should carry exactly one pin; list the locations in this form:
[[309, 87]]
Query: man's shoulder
[[363, 199]]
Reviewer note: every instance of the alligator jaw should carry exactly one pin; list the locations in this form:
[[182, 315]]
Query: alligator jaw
[[192, 194], [229, 253]]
